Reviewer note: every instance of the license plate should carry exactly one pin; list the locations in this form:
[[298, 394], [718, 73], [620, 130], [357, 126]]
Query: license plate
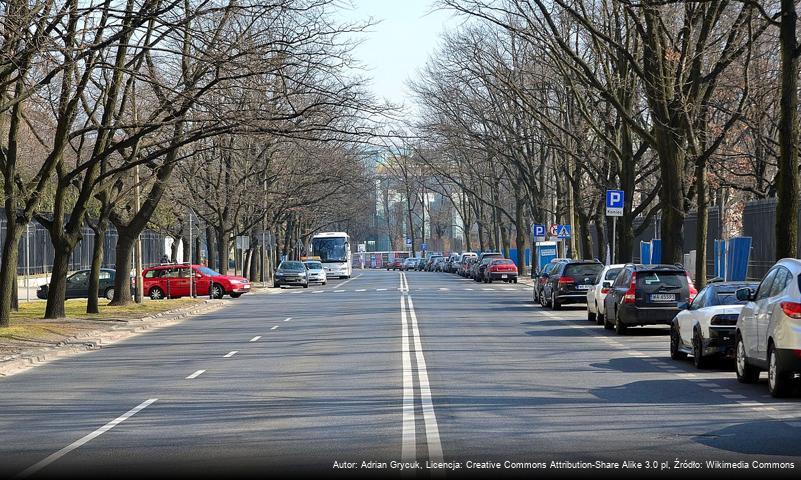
[[504, 276], [663, 297], [584, 287], [247, 287]]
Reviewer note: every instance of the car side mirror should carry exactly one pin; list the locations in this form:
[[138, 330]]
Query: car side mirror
[[683, 305], [744, 294], [607, 283]]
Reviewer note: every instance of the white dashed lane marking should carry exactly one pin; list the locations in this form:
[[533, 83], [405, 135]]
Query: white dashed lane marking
[[230, 354], [195, 375], [274, 327], [256, 338]]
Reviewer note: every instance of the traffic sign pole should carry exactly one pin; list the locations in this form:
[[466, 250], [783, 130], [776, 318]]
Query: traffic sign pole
[[614, 236]]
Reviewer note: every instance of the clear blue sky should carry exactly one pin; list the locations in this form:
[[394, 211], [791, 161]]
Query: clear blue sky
[[399, 45]]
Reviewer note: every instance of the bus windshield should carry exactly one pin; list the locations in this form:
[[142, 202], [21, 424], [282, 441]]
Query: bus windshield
[[330, 249]]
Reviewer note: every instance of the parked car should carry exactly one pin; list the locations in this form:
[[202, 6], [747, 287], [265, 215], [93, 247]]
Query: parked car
[[569, 282], [464, 257], [395, 264], [597, 294], [291, 272], [483, 260], [421, 265], [78, 285], [439, 264], [430, 263], [707, 326], [173, 281], [316, 272], [541, 278], [768, 329], [646, 295], [501, 269], [467, 265], [410, 263]]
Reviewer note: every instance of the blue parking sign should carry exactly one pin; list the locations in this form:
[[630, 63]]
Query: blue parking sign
[[615, 200], [538, 230]]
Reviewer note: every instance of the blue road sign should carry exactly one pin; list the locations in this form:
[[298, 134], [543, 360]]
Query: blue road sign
[[538, 230], [563, 231], [614, 203], [424, 246], [408, 242]]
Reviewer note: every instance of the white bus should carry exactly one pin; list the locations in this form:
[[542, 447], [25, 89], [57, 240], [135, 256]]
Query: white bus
[[333, 248]]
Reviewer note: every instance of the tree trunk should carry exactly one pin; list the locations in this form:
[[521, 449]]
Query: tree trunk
[[210, 247], [222, 250], [703, 226], [97, 262], [8, 270], [787, 181], [520, 234], [196, 250], [57, 289], [122, 266]]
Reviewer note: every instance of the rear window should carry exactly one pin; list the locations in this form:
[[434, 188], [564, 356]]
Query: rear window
[[612, 273], [667, 278], [583, 269], [723, 297], [502, 262]]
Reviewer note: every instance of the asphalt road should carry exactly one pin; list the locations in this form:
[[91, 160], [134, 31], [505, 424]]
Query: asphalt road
[[415, 367]]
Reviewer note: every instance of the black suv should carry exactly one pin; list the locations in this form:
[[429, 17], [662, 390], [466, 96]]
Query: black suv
[[568, 282], [541, 277], [647, 295]]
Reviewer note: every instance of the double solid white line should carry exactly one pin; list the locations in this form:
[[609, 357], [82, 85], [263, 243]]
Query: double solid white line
[[410, 337]]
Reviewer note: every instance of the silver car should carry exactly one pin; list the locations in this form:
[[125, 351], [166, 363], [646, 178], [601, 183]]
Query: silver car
[[769, 329], [316, 272]]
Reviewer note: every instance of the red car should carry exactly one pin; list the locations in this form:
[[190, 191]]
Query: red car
[[501, 269], [395, 264], [173, 281]]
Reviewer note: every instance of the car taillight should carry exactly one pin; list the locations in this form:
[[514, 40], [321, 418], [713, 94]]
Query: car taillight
[[631, 294], [565, 280], [691, 287], [604, 291], [791, 309]]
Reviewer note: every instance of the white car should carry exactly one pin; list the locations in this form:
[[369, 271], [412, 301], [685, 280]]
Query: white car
[[316, 272], [769, 329], [597, 294], [706, 327]]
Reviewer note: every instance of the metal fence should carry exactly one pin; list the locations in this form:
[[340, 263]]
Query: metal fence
[[36, 243], [759, 219]]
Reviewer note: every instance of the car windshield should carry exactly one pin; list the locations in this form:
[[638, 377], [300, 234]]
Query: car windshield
[[723, 297], [611, 274], [208, 272], [292, 266], [314, 265]]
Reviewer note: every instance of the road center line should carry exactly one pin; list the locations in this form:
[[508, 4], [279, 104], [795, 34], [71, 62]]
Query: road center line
[[195, 375], [274, 327], [230, 354], [256, 338], [287, 319], [408, 438], [430, 418], [84, 440]]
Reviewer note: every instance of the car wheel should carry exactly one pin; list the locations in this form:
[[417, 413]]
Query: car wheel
[[109, 294], [698, 352], [780, 383], [620, 327], [675, 344], [607, 324], [156, 293], [555, 305], [276, 284], [745, 373], [324, 283], [600, 318], [217, 291], [591, 316], [236, 295], [305, 285]]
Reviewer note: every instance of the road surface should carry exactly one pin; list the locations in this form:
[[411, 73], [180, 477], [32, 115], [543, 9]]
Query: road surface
[[388, 367]]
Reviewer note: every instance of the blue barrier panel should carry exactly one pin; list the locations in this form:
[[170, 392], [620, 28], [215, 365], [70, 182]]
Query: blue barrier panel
[[545, 252], [645, 253], [720, 259], [737, 258], [656, 251]]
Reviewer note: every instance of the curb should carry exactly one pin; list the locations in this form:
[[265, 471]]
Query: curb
[[97, 339]]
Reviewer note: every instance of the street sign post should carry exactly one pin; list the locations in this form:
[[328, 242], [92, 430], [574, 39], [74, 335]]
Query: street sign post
[[615, 199]]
